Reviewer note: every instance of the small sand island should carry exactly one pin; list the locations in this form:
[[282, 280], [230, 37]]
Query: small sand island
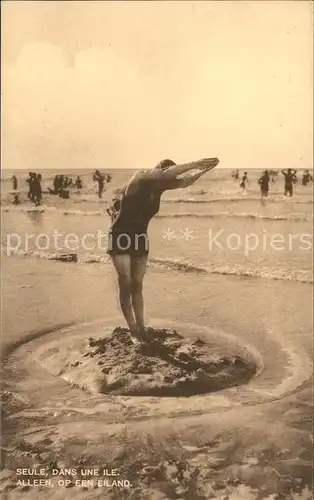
[[169, 364]]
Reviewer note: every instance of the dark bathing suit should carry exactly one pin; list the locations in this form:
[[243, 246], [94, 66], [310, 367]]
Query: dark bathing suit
[[128, 233]]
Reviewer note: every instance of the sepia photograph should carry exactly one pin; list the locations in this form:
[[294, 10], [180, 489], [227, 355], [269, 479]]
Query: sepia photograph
[[156, 250]]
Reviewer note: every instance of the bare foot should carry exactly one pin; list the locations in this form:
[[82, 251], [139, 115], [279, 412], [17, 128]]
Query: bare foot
[[136, 338], [143, 334]]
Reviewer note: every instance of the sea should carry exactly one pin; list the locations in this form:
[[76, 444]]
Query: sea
[[212, 227]]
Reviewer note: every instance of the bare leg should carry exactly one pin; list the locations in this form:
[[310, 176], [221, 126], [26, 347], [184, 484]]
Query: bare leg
[[138, 268], [122, 264]]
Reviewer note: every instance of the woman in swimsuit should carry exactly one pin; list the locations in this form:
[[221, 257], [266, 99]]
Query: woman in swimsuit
[[128, 239]]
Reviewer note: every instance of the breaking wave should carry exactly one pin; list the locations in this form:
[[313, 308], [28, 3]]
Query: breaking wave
[[46, 209], [198, 215], [302, 276], [294, 217], [179, 265], [238, 199]]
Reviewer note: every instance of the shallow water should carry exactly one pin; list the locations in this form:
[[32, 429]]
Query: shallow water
[[212, 226]]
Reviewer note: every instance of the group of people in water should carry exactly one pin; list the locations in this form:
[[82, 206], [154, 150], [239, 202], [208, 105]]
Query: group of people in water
[[268, 176], [61, 183], [60, 186]]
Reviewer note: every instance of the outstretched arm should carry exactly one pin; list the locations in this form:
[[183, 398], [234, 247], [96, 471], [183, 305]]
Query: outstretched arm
[[160, 176], [284, 172], [192, 177], [175, 170], [167, 184]]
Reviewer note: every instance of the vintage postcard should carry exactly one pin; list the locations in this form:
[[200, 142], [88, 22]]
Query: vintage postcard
[[156, 250]]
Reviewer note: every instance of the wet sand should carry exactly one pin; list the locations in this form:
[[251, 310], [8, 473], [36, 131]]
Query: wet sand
[[246, 442]]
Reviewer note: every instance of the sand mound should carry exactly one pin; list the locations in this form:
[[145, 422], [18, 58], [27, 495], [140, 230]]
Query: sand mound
[[168, 365]]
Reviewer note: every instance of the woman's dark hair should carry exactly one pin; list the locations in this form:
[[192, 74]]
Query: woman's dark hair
[[166, 163]]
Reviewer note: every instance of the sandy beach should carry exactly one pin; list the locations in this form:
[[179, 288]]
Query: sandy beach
[[249, 441]]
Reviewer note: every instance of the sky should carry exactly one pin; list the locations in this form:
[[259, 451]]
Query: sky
[[125, 84]]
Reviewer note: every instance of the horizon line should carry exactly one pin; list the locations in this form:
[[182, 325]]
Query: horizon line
[[136, 168]]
